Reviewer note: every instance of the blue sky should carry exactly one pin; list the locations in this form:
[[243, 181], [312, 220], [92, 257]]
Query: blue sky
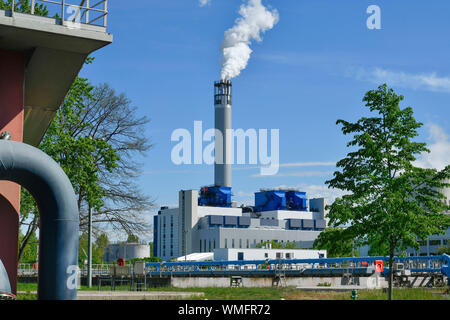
[[311, 69]]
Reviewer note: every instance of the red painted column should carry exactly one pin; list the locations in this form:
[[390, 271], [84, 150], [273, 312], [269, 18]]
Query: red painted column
[[12, 73]]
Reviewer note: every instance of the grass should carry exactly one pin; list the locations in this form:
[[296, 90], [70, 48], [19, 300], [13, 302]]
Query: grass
[[289, 293]]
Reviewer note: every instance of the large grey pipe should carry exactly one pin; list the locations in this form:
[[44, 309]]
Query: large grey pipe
[[59, 219], [5, 286], [223, 144]]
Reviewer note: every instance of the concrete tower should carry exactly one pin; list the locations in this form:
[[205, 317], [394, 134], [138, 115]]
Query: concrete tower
[[223, 139]]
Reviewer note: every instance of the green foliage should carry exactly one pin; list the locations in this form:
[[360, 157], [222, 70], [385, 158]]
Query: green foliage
[[391, 203], [277, 245], [81, 157], [29, 254], [27, 205], [151, 259], [443, 250], [98, 246], [25, 7], [336, 241], [132, 238]]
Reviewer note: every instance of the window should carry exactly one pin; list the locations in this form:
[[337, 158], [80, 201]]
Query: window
[[279, 255], [423, 243], [435, 242], [266, 255], [445, 242], [248, 243], [232, 243], [214, 243], [226, 243], [204, 245], [240, 243], [200, 245], [209, 245], [288, 256]]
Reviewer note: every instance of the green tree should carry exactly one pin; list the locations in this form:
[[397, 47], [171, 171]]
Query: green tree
[[95, 136], [29, 254], [98, 246], [391, 202], [443, 250], [101, 243], [336, 241], [132, 238], [277, 245], [24, 6]]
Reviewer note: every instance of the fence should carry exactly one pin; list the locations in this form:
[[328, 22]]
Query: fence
[[428, 264], [89, 12], [431, 264]]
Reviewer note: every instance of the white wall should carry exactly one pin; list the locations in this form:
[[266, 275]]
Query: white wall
[[285, 214], [219, 211], [223, 254]]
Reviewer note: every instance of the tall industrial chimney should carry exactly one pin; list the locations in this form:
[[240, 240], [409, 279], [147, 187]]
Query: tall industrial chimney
[[223, 144]]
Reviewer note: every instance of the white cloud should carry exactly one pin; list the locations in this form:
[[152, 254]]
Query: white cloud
[[291, 165], [420, 81], [295, 174], [203, 3], [439, 156], [308, 164]]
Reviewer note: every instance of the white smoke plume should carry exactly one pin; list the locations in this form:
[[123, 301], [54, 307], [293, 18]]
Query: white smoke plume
[[255, 19]]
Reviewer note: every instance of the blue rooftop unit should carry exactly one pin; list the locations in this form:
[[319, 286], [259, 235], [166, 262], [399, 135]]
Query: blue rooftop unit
[[270, 200], [296, 200], [215, 197]]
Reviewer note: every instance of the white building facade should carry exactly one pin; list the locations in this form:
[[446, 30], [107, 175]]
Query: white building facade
[[191, 228]]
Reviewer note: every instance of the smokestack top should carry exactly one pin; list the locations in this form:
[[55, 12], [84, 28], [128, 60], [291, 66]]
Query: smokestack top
[[222, 92]]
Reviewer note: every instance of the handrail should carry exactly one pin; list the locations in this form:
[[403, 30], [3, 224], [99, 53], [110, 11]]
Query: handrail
[[72, 11], [415, 264]]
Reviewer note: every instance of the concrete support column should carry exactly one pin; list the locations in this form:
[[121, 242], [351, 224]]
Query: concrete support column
[[12, 73]]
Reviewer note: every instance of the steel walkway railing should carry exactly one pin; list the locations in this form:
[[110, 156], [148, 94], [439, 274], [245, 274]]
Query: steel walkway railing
[[428, 264], [89, 12]]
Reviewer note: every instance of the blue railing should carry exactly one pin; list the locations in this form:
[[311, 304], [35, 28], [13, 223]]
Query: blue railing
[[425, 264]]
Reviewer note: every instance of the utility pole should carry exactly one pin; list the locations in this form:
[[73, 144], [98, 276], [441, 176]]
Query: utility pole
[[89, 273]]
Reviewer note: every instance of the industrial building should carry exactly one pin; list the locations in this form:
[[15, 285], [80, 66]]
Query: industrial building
[[192, 228], [125, 250], [207, 220], [271, 254]]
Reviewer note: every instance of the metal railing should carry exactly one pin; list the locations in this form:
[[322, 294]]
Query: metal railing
[[27, 269], [89, 12], [426, 264], [97, 270]]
